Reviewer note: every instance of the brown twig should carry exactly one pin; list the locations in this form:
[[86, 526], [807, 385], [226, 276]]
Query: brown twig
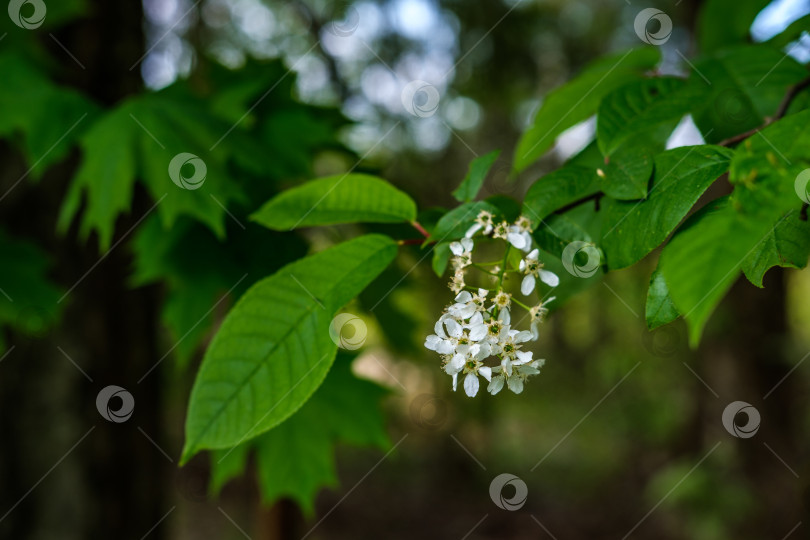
[[790, 95], [418, 226], [780, 112]]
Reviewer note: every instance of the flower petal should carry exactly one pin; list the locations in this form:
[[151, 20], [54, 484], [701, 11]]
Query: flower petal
[[485, 372], [504, 316], [534, 330], [463, 297], [478, 332], [549, 278], [527, 241], [506, 364], [456, 248], [455, 365], [432, 341], [472, 230], [522, 337], [467, 244], [527, 286], [455, 380], [495, 385], [524, 357], [533, 254], [471, 384], [516, 239], [445, 346], [484, 350], [453, 328], [515, 384]]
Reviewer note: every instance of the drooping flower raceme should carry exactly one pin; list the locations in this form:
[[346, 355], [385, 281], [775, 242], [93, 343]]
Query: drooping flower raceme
[[474, 335]]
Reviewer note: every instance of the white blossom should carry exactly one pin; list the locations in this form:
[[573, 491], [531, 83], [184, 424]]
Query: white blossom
[[538, 314], [482, 221], [533, 268], [463, 252]]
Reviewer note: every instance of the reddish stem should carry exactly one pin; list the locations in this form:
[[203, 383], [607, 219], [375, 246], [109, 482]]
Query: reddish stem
[[418, 227]]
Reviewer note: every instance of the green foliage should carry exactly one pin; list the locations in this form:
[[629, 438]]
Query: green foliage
[[48, 117], [786, 245], [704, 259], [579, 99], [138, 139], [477, 173], [28, 299], [455, 223], [274, 349], [681, 177], [746, 85], [634, 123], [296, 458], [659, 309], [724, 23], [346, 198], [558, 189]]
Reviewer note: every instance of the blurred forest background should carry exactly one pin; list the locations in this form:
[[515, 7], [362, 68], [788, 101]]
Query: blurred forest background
[[621, 429]]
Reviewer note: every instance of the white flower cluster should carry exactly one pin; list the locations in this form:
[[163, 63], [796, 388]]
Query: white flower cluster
[[474, 328]]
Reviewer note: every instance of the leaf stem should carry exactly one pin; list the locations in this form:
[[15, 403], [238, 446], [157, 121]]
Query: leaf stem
[[418, 226]]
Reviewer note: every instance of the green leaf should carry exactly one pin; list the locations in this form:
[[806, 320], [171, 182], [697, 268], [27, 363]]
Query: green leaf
[[627, 176], [725, 23], [704, 258], [51, 118], [455, 223], [582, 223], [652, 107], [28, 299], [787, 245], [477, 173], [633, 125], [139, 139], [179, 259], [441, 256], [345, 198], [746, 85], [558, 189], [681, 176], [579, 99], [273, 348], [660, 310], [765, 167], [297, 458]]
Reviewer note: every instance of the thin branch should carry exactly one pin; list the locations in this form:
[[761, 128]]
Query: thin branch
[[418, 226], [790, 95], [315, 28]]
